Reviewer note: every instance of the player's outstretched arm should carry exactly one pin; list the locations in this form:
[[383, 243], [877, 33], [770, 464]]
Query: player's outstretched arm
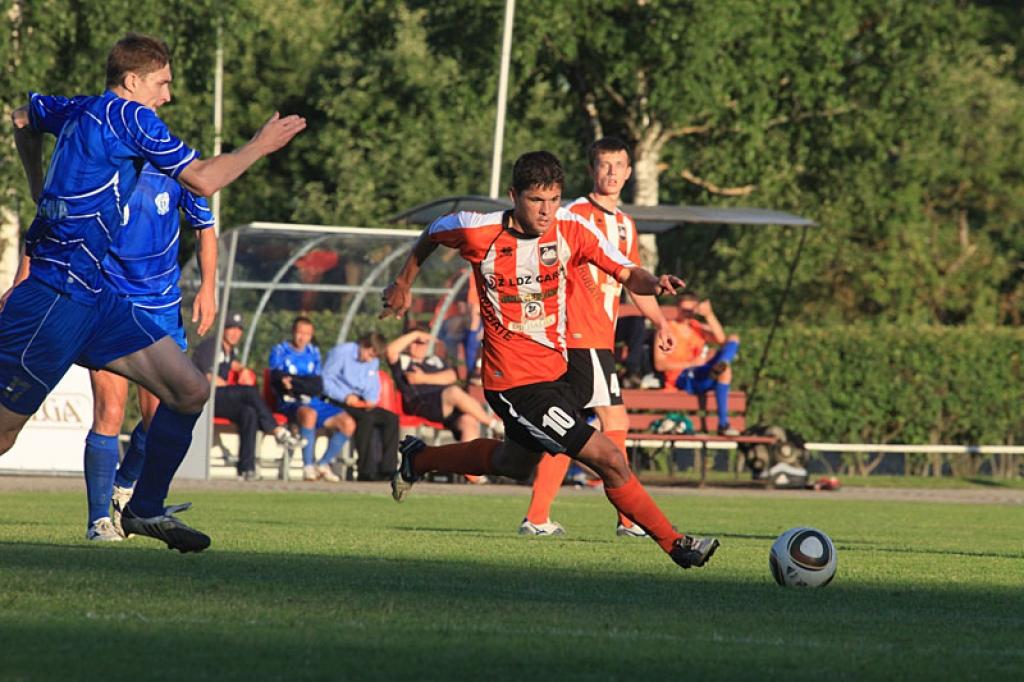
[[205, 177], [29, 143], [397, 296], [639, 281]]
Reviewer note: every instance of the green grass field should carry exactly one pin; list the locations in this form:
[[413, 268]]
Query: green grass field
[[350, 586]]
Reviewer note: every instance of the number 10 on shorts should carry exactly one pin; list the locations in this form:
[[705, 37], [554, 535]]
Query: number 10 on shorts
[[557, 420]]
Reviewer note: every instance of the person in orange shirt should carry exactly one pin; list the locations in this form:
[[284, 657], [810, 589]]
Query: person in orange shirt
[[688, 368], [521, 260], [593, 308]]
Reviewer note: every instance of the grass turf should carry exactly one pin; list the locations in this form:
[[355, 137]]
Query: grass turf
[[347, 586]]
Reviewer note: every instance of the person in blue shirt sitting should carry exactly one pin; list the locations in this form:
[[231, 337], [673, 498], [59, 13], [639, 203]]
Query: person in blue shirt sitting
[[352, 381], [296, 375]]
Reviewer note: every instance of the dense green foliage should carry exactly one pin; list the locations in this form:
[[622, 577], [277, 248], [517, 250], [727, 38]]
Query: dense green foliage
[[352, 586], [897, 125], [912, 384]]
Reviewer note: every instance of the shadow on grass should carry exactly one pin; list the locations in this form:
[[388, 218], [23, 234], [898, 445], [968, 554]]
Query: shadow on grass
[[234, 614]]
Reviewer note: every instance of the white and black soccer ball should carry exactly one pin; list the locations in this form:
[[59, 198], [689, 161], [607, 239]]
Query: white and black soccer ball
[[803, 557]]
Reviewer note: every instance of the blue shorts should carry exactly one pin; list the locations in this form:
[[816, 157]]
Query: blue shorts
[[168, 319], [43, 332], [696, 380], [324, 409]]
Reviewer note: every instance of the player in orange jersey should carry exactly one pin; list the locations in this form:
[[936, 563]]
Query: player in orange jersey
[[520, 259], [593, 308]]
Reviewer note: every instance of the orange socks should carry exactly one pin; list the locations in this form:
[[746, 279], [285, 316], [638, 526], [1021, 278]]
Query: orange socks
[[633, 501], [473, 457], [619, 438], [546, 482]]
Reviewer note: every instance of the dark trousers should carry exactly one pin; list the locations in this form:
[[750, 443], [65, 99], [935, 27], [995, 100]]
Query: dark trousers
[[632, 332], [376, 423], [244, 407]]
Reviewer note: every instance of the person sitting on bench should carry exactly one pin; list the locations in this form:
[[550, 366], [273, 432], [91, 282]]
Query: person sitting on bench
[[688, 368]]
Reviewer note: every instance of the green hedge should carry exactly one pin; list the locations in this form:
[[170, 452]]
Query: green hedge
[[917, 385]]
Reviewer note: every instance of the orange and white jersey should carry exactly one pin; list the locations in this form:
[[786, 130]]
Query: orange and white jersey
[[522, 285], [594, 295]]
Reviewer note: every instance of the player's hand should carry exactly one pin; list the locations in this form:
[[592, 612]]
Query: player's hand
[[704, 308], [286, 381], [277, 132], [204, 310], [663, 337], [669, 284], [397, 298], [414, 374]]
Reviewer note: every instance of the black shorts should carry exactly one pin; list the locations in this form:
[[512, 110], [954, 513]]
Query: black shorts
[[592, 374], [542, 417], [431, 407]]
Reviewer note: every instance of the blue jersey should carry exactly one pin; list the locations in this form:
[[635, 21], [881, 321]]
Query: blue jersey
[[285, 358], [142, 262], [102, 142]]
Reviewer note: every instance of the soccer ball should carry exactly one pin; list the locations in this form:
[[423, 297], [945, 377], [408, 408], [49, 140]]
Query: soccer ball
[[803, 557]]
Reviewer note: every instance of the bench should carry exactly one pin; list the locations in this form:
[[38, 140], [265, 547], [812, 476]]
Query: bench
[[648, 406], [222, 426]]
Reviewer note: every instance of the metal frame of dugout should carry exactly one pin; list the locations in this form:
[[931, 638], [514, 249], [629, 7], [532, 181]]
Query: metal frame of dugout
[[258, 282]]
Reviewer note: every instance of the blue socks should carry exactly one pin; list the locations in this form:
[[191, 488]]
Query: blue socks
[[169, 436], [727, 353], [722, 400], [131, 465], [101, 455], [308, 452], [334, 445]]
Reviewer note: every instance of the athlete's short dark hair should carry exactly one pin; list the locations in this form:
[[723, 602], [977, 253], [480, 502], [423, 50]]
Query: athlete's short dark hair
[[607, 145], [375, 341], [302, 319], [537, 169], [688, 296], [136, 53]]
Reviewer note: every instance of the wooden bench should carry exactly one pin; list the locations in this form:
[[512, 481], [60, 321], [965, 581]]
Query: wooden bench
[[645, 407]]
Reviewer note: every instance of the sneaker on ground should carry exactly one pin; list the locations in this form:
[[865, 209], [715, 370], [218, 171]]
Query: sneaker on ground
[[251, 475], [310, 473], [633, 531], [103, 530], [118, 501], [326, 473], [403, 479], [727, 430], [548, 528], [167, 528], [690, 551]]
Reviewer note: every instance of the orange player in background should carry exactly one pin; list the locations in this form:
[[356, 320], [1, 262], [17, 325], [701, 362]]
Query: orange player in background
[[593, 307], [521, 259]]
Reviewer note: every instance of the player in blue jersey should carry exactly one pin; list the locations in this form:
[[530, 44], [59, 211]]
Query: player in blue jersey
[[64, 312], [142, 264], [295, 371]]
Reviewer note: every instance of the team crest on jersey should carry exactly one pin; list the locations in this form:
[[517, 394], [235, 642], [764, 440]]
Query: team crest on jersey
[[622, 231], [548, 254], [533, 310], [163, 203], [491, 281]]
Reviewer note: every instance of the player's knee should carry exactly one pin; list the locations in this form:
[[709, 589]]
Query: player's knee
[[735, 338], [306, 417], [190, 395]]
